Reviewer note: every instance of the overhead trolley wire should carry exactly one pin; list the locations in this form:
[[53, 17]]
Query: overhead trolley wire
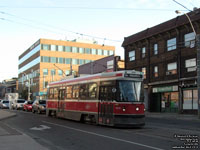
[[62, 29]]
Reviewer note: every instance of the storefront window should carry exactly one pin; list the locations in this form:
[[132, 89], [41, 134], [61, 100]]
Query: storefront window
[[195, 99], [190, 99], [170, 102]]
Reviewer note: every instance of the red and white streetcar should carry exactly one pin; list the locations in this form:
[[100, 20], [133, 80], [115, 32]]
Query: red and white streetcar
[[112, 98]]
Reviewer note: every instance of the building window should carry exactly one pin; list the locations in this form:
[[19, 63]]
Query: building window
[[67, 60], [67, 72], [81, 50], [74, 49], [189, 39], [143, 52], [87, 51], [45, 46], [190, 64], [60, 72], [45, 71], [45, 83], [155, 49], [61, 60], [53, 59], [171, 68], [53, 47], [60, 48], [87, 61], [94, 51], [45, 59], [75, 61], [155, 71], [53, 72], [144, 72], [171, 44], [81, 61], [111, 52], [68, 49], [99, 51], [131, 55], [105, 52]]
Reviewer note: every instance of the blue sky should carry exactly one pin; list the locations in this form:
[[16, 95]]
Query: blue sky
[[22, 22]]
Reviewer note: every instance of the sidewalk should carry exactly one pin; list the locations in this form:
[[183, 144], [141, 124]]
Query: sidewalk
[[172, 116], [11, 139]]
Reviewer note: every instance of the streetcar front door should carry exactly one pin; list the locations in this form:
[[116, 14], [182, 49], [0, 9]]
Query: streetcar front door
[[105, 112], [61, 103]]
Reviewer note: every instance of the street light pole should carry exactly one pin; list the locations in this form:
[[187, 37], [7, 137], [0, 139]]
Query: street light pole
[[197, 38]]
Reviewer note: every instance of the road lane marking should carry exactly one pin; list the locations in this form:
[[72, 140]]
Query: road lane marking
[[42, 127], [105, 136]]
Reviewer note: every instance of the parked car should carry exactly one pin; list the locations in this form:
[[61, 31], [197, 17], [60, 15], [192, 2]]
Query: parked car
[[4, 104], [39, 106], [18, 104], [28, 106]]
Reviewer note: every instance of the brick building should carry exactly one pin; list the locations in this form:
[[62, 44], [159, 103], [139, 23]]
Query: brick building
[[106, 64], [166, 53], [51, 60]]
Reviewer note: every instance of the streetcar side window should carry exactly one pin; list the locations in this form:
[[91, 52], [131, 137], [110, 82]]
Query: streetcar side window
[[51, 93], [55, 93], [93, 90], [69, 92], [76, 91], [83, 91]]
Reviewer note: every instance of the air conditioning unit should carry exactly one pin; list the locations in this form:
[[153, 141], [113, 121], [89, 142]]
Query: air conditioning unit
[[168, 73], [192, 44]]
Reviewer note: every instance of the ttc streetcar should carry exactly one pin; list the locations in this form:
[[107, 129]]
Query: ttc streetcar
[[112, 99]]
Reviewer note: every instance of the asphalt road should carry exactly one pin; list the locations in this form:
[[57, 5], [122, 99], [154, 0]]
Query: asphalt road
[[60, 134]]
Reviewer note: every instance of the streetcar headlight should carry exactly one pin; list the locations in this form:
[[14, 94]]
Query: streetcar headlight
[[137, 108], [123, 109]]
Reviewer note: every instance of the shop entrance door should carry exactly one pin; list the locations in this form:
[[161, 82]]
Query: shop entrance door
[[156, 102]]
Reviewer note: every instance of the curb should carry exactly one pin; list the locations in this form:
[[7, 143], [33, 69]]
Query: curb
[[173, 116]]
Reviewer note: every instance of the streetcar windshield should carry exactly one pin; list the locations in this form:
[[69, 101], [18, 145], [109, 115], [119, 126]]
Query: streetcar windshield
[[130, 91]]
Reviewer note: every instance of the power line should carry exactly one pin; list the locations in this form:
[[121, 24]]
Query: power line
[[92, 36], [182, 5], [87, 8]]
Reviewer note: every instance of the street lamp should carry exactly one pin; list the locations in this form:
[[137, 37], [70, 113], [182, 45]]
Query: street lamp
[[197, 37]]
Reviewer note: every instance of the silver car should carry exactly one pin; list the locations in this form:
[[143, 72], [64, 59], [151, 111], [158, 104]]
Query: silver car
[[19, 104], [4, 104]]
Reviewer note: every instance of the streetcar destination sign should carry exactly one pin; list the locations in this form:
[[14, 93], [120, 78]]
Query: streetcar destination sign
[[133, 75]]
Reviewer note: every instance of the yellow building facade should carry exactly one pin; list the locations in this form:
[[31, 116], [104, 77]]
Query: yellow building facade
[[51, 60]]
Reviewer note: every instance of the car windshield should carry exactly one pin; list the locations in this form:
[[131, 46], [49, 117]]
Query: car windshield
[[5, 102], [29, 102], [20, 101], [130, 91], [42, 101]]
